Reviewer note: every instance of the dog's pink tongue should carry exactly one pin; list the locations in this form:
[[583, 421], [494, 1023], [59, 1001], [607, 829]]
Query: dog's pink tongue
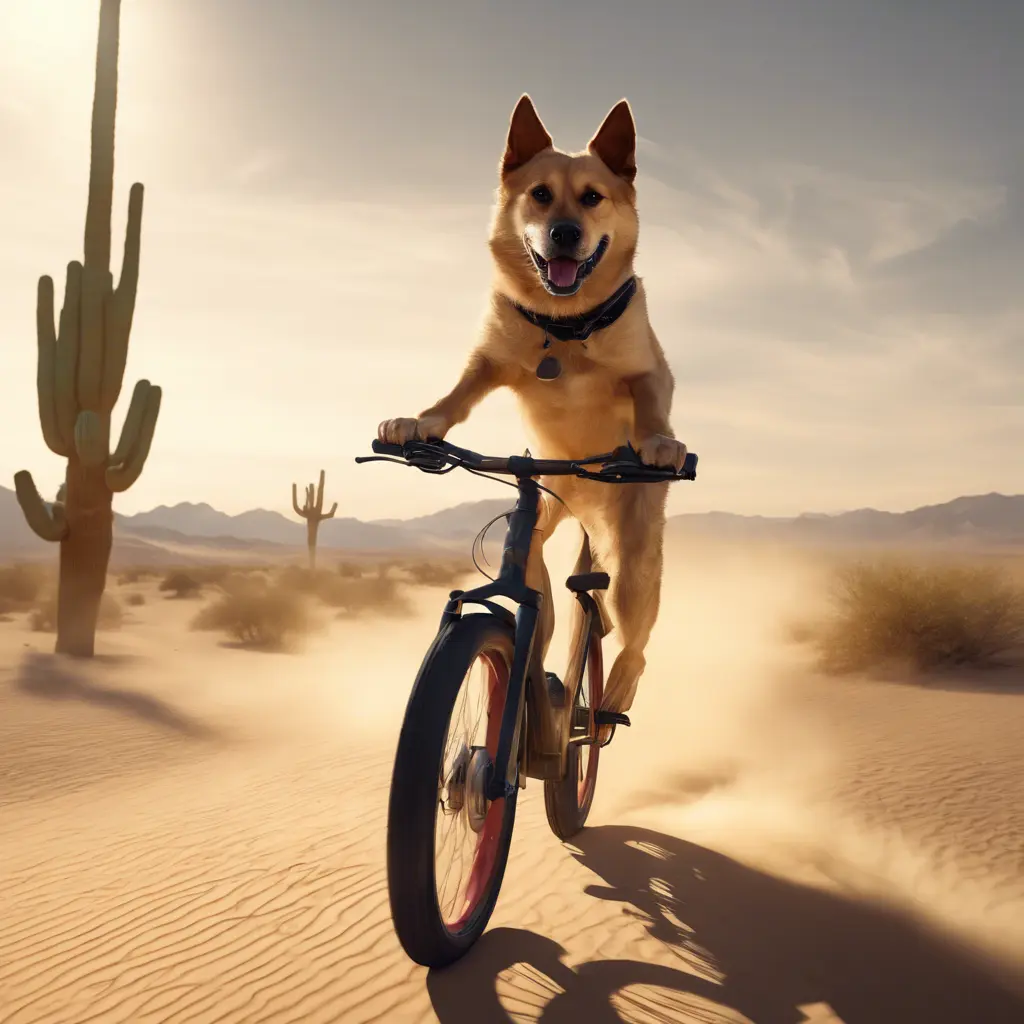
[[562, 272]]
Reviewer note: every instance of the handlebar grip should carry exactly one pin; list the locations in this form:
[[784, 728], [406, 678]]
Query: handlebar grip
[[385, 448], [689, 470]]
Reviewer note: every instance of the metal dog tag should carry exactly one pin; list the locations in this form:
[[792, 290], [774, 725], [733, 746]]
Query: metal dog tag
[[549, 368]]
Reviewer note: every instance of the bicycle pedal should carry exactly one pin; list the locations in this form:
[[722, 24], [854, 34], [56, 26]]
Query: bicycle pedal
[[611, 718], [556, 690], [588, 581]]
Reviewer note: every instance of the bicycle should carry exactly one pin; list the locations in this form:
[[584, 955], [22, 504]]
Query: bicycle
[[532, 725]]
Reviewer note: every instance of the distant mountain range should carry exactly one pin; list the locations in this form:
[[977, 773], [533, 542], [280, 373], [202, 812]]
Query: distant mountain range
[[994, 520], [198, 531]]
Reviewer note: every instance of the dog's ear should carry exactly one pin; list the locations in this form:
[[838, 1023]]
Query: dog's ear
[[615, 141], [527, 136]]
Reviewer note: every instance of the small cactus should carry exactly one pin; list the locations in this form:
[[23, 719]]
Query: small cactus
[[313, 512], [81, 365]]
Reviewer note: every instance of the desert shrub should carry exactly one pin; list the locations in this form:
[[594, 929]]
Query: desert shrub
[[301, 579], [44, 616], [257, 615], [920, 617], [180, 585], [365, 595], [437, 573], [20, 585], [378, 594], [136, 574], [245, 578], [215, 575], [136, 600]]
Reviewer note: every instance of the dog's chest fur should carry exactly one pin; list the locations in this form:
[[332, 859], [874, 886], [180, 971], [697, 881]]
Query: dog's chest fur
[[589, 405]]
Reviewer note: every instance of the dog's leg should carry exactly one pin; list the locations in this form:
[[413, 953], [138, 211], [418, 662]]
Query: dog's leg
[[549, 515], [481, 376], [630, 549], [579, 635], [652, 406]]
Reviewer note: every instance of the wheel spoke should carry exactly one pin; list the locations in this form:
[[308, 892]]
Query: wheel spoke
[[458, 848]]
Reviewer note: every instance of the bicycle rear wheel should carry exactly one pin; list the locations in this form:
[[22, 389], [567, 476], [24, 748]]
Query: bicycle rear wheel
[[447, 846], [568, 800]]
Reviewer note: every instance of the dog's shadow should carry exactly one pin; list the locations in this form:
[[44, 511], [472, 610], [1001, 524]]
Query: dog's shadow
[[750, 948], [50, 677]]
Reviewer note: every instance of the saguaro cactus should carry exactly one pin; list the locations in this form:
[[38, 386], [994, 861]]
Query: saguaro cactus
[[80, 373], [313, 512]]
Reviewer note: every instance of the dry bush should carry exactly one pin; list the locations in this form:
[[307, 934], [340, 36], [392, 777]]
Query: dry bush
[[257, 615], [368, 595], [437, 573], [21, 585], [300, 579], [918, 617], [180, 585], [244, 577], [217, 574], [136, 574], [380, 594], [136, 600], [44, 616]]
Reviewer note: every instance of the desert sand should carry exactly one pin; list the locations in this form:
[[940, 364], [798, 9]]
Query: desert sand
[[196, 833]]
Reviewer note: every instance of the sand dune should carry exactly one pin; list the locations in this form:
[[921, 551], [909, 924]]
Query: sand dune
[[192, 833]]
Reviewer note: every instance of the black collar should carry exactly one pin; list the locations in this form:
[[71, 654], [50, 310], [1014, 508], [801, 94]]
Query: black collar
[[579, 328]]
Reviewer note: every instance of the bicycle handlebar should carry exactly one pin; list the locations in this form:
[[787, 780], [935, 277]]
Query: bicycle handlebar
[[622, 465]]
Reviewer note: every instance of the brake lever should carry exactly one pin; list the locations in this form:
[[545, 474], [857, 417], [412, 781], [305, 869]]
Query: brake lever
[[630, 471], [380, 458]]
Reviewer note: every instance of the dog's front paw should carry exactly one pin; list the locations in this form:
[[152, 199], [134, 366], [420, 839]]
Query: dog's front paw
[[401, 430], [663, 452]]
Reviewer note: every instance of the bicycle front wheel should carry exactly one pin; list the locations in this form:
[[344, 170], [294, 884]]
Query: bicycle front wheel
[[447, 845]]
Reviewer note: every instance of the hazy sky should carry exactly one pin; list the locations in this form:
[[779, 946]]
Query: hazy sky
[[832, 232]]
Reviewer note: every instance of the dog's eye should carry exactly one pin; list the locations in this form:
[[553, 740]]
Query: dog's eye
[[591, 198], [542, 194]]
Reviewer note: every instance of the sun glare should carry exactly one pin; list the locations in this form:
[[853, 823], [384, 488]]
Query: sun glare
[[47, 40]]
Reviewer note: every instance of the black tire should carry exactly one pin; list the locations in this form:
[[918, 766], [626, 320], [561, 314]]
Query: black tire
[[416, 796], [568, 800]]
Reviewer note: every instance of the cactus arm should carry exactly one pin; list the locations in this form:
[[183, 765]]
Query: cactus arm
[[48, 523], [121, 477], [310, 499], [132, 423], [120, 307], [91, 438], [330, 515], [65, 370], [46, 336], [295, 500], [320, 494]]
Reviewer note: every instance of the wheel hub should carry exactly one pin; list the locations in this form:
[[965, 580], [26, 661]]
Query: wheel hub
[[467, 786]]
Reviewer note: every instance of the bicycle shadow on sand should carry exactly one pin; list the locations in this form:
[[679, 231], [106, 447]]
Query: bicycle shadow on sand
[[749, 947]]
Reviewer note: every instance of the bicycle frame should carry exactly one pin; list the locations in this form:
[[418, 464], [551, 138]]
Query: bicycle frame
[[535, 699], [542, 750]]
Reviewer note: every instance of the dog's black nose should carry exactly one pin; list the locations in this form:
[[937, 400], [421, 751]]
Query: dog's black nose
[[566, 234]]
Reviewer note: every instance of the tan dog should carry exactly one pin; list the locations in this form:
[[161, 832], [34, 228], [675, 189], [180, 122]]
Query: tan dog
[[563, 241]]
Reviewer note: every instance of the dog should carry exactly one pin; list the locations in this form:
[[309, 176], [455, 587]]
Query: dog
[[567, 331]]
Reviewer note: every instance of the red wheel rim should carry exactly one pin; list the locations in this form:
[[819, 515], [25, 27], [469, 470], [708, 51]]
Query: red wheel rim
[[488, 839], [595, 678]]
